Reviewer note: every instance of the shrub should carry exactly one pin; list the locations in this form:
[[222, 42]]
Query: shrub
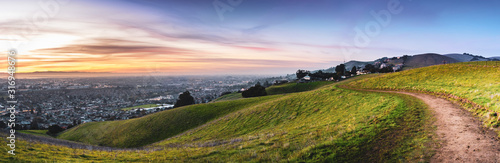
[[255, 91]]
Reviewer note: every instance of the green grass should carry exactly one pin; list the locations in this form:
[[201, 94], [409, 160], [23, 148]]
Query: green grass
[[154, 127], [295, 87], [229, 97], [35, 132], [280, 89], [140, 106], [475, 85], [326, 124]]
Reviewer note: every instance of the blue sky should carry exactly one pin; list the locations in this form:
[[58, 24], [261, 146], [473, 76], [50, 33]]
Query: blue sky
[[251, 36]]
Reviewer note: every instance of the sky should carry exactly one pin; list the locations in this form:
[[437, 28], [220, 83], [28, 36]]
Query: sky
[[214, 37]]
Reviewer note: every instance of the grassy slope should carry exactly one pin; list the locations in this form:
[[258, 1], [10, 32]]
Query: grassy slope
[[229, 97], [295, 87], [35, 132], [155, 127], [475, 84], [327, 123], [281, 89]]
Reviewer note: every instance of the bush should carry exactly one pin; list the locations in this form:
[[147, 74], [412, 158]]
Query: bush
[[255, 91], [54, 130], [184, 99]]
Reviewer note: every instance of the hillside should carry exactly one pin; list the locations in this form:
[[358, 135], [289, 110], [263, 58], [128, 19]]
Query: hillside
[[229, 97], [350, 64], [154, 127], [295, 87], [424, 60], [476, 85], [325, 124], [291, 87], [460, 57]]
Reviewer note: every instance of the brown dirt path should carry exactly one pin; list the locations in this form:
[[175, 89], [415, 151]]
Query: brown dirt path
[[462, 137]]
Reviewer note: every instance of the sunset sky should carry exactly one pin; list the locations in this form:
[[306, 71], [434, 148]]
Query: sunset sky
[[176, 37]]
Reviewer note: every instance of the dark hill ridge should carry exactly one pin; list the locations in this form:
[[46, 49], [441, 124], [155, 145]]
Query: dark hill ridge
[[416, 61], [424, 60], [460, 57]]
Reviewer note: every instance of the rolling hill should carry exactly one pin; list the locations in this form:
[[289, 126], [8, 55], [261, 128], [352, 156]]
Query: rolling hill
[[291, 87], [154, 127], [324, 124], [460, 57], [476, 85], [424, 60], [417, 61]]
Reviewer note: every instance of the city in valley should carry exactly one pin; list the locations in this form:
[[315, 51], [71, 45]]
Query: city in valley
[[67, 102]]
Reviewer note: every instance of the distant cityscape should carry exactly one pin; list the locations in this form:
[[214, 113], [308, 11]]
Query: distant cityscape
[[67, 102]]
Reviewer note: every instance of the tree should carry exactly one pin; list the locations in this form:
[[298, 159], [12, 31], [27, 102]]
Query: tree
[[371, 68], [54, 129], [184, 99], [340, 69], [354, 70], [301, 73], [254, 91], [386, 69]]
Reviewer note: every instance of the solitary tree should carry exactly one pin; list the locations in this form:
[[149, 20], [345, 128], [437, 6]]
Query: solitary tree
[[54, 129], [340, 69], [184, 99], [354, 70], [254, 91], [301, 73]]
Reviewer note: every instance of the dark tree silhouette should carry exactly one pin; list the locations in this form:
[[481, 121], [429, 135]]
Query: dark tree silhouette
[[254, 91], [386, 69], [54, 129], [301, 73], [340, 69], [354, 70], [371, 68], [184, 99]]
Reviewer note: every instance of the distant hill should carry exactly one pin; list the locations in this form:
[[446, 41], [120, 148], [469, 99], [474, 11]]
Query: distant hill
[[415, 61], [424, 60], [469, 57], [350, 64], [460, 57], [495, 58]]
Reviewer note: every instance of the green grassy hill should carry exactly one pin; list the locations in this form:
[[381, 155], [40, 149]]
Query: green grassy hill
[[325, 124], [476, 85], [229, 97], [155, 127], [36, 132], [295, 87], [280, 89]]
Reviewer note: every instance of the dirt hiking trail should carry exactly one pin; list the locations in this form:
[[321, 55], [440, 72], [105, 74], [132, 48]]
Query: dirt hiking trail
[[461, 136]]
